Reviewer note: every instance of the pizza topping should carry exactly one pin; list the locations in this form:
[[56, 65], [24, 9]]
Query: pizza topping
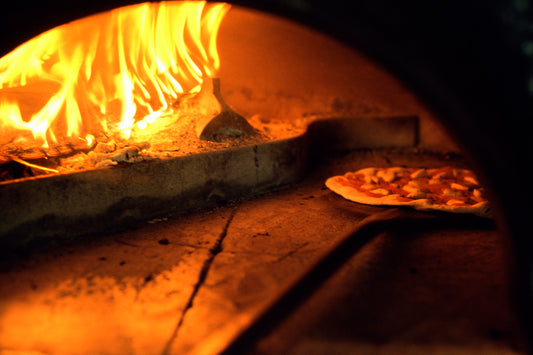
[[477, 196], [368, 186], [437, 188], [440, 175], [451, 192], [415, 183], [455, 203], [456, 186], [381, 191], [413, 190], [435, 181], [470, 179], [387, 176], [368, 174], [416, 195], [441, 172], [419, 173]]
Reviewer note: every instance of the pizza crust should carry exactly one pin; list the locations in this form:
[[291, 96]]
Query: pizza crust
[[453, 190]]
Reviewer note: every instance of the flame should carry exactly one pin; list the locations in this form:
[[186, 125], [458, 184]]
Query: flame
[[110, 72]]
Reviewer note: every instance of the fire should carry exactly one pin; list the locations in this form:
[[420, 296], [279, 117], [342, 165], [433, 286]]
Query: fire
[[111, 72]]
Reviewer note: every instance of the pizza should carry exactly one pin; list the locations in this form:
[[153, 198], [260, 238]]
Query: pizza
[[445, 189]]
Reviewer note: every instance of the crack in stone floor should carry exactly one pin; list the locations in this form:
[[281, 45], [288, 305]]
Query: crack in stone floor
[[213, 252]]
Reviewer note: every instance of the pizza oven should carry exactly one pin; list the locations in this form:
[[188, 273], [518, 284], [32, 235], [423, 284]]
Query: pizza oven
[[178, 205]]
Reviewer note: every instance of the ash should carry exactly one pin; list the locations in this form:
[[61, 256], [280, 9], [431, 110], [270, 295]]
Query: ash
[[172, 136], [168, 141]]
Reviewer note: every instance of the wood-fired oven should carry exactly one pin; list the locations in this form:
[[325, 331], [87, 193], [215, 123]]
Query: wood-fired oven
[[223, 238]]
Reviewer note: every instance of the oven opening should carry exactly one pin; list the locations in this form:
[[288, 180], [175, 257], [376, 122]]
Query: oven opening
[[163, 172]]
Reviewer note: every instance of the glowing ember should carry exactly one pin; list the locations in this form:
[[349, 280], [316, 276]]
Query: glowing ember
[[111, 72]]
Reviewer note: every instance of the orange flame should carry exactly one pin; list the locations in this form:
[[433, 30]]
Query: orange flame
[[124, 67]]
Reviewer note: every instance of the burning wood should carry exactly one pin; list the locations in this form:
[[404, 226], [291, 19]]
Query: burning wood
[[121, 94], [61, 90], [197, 123]]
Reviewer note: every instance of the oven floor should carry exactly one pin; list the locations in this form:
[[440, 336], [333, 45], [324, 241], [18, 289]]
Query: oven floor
[[187, 284]]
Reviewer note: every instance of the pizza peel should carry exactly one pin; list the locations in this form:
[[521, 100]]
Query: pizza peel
[[247, 330]]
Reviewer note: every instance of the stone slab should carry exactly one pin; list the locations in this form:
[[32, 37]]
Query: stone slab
[[93, 201]]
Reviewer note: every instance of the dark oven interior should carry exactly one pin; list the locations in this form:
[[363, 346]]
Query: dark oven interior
[[275, 262]]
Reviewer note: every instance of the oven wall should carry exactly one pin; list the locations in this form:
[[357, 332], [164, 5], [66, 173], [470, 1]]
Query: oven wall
[[279, 69]]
